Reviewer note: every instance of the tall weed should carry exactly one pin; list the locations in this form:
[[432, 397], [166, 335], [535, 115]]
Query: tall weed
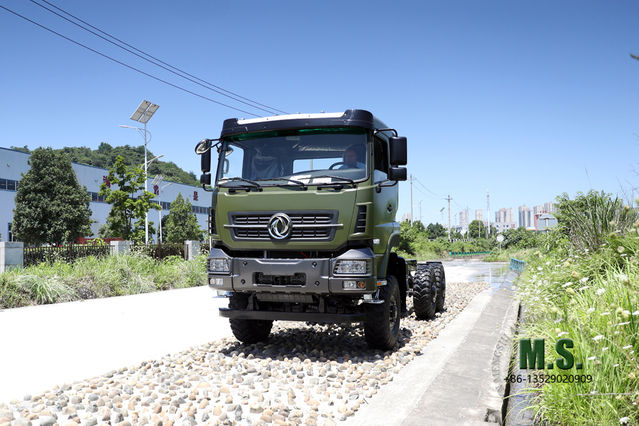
[[589, 296], [590, 219]]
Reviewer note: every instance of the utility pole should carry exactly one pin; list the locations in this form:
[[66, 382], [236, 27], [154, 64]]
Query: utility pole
[[488, 211], [411, 200], [448, 217]]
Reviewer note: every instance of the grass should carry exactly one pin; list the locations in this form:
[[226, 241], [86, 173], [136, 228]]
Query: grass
[[591, 298], [505, 255], [92, 277]]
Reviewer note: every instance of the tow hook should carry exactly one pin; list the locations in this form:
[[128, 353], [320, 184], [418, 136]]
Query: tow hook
[[373, 299]]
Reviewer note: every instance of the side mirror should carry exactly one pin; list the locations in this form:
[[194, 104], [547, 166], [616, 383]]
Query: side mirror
[[205, 179], [203, 148], [397, 173], [205, 162], [398, 151]]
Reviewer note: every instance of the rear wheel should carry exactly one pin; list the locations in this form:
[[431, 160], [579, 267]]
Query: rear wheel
[[381, 328], [440, 281], [246, 330], [424, 293]]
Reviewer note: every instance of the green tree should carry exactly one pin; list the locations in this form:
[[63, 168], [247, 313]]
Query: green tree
[[125, 207], [51, 206], [181, 222], [476, 229], [520, 238], [436, 230]]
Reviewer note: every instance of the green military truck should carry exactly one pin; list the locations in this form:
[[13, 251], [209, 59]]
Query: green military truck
[[302, 225]]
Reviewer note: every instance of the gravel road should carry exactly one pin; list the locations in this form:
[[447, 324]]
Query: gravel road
[[305, 374]]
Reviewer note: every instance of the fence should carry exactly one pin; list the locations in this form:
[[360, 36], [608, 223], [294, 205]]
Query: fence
[[466, 254], [161, 251], [517, 265], [15, 255], [35, 255]]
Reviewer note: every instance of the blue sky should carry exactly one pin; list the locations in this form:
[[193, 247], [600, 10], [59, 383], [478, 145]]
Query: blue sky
[[525, 99]]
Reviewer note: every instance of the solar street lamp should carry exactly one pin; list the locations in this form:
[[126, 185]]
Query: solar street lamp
[[142, 115]]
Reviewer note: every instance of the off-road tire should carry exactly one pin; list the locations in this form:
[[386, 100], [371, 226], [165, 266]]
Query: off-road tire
[[440, 281], [248, 331], [381, 328], [424, 293]]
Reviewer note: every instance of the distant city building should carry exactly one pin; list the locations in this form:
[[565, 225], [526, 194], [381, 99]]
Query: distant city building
[[464, 219], [549, 207], [479, 215], [14, 164], [504, 226], [504, 215], [407, 217], [525, 217]]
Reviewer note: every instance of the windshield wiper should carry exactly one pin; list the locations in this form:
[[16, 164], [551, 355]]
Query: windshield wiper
[[297, 182], [227, 180], [342, 179], [335, 185]]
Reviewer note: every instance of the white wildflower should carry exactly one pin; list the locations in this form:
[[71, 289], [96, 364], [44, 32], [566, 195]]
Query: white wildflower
[[592, 358], [584, 288], [627, 347], [563, 333], [584, 279], [599, 337], [635, 313], [604, 314], [591, 310], [567, 284], [624, 323], [624, 420], [601, 291]]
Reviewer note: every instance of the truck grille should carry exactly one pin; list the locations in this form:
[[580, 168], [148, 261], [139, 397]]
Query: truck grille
[[306, 226]]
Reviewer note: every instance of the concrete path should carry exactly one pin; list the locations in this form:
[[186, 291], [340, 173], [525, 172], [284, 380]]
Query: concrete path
[[44, 346], [459, 378]]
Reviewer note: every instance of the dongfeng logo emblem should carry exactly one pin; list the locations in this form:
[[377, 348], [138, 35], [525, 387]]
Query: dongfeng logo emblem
[[279, 226]]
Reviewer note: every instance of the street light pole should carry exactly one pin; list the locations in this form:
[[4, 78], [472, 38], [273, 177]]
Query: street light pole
[[142, 115]]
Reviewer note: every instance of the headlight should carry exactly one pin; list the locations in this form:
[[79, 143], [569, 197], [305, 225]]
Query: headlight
[[219, 265], [352, 267]]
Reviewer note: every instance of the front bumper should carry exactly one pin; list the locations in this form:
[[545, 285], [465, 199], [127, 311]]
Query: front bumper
[[322, 317], [285, 275]]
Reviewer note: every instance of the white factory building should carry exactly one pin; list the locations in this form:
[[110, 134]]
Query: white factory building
[[14, 163]]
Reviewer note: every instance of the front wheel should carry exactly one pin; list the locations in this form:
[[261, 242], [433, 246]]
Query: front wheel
[[381, 328], [247, 331]]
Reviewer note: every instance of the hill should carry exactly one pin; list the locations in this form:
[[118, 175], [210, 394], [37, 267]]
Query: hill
[[105, 157]]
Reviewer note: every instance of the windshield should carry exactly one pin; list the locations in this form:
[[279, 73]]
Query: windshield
[[294, 157]]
